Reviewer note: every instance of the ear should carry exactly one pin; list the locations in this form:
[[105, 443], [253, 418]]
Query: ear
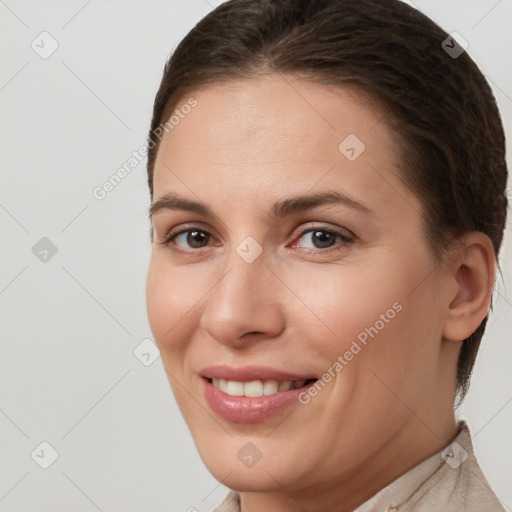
[[473, 270]]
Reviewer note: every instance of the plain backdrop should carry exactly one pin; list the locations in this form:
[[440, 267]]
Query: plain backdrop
[[73, 268]]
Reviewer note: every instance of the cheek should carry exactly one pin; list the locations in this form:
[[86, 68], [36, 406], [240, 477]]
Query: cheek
[[346, 305], [371, 316], [170, 301]]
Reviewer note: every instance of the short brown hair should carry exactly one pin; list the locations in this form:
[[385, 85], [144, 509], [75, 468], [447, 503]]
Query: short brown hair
[[441, 108]]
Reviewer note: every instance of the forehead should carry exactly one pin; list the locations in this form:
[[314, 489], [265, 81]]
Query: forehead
[[300, 113], [277, 133]]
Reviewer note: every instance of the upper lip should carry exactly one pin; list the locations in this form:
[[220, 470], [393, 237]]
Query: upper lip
[[249, 373]]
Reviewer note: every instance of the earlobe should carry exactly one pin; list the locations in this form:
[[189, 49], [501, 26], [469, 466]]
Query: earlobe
[[474, 273]]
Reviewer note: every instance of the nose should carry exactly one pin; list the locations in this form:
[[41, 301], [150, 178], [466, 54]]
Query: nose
[[244, 305]]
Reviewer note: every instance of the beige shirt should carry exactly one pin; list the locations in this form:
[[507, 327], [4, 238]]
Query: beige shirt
[[449, 481]]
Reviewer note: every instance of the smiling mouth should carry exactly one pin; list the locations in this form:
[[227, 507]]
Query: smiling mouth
[[257, 388]]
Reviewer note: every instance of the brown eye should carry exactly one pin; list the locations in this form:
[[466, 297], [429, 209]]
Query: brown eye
[[323, 239], [188, 239], [196, 239], [320, 238]]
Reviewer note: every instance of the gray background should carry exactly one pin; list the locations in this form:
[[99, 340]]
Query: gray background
[[70, 323]]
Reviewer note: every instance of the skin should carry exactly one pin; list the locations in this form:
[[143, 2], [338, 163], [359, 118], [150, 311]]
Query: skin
[[299, 306]]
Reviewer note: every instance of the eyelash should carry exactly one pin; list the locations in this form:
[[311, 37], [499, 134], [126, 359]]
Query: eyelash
[[345, 240]]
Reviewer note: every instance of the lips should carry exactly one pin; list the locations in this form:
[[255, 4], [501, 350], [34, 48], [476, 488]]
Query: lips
[[253, 393]]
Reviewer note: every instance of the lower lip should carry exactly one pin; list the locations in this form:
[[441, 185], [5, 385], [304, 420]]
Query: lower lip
[[244, 409]]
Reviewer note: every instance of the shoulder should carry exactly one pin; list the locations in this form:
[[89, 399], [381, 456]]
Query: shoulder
[[459, 484], [231, 503], [479, 494]]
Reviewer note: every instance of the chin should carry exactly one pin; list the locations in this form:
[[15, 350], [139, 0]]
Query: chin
[[259, 465], [259, 478]]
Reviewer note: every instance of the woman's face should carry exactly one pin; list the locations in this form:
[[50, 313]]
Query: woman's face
[[255, 286]]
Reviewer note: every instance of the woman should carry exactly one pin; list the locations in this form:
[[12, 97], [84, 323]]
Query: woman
[[328, 204]]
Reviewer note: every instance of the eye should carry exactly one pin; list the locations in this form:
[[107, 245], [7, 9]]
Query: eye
[[318, 239], [188, 239], [323, 238]]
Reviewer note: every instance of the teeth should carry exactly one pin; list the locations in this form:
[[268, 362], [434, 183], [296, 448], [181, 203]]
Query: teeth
[[270, 387], [286, 385], [235, 388], [255, 388], [222, 385]]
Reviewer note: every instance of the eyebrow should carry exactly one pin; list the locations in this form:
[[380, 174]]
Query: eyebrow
[[281, 208]]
